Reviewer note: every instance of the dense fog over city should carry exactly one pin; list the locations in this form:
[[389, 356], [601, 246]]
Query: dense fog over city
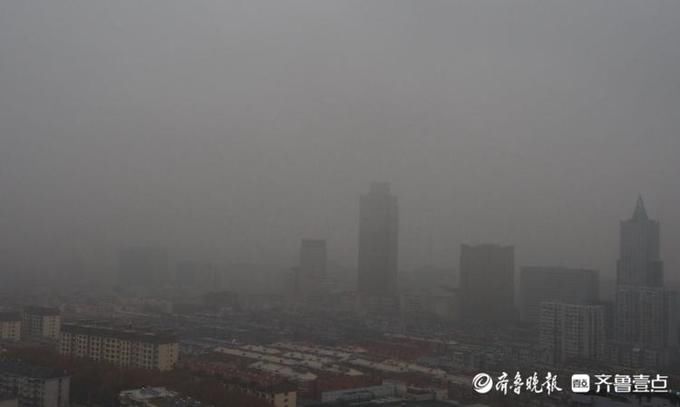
[[230, 130], [339, 203]]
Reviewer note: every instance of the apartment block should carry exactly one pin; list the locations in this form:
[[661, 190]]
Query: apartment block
[[120, 347], [155, 397], [34, 386], [41, 322], [571, 331], [10, 326]]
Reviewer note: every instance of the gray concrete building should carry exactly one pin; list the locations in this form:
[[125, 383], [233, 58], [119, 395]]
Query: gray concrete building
[[35, 386], [646, 312], [378, 242]]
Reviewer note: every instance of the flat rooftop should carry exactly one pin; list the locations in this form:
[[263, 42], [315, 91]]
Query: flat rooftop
[[17, 368], [119, 333]]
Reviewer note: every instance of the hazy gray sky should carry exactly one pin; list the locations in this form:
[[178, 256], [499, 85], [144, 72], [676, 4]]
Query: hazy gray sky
[[231, 129]]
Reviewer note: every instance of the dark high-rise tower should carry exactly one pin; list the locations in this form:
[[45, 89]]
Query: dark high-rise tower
[[645, 311], [378, 234], [639, 262]]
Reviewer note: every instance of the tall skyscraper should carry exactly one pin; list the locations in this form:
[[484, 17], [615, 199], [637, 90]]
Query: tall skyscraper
[[542, 284], [640, 262], [645, 313], [487, 283], [311, 272], [571, 331], [378, 240]]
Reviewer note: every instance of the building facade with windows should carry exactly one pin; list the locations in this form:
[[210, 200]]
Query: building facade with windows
[[10, 326], [41, 323], [646, 311], [571, 331], [120, 347], [34, 386]]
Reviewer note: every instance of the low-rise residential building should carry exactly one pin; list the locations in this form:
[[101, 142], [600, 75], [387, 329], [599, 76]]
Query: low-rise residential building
[[155, 397], [34, 386], [41, 323], [10, 326], [281, 394], [361, 394], [120, 347]]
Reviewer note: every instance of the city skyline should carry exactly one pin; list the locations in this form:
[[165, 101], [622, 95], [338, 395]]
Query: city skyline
[[339, 203], [484, 121], [77, 256]]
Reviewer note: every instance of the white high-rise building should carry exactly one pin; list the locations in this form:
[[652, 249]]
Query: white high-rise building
[[571, 331]]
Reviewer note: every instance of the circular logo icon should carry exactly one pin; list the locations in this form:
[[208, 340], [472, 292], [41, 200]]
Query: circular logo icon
[[482, 383]]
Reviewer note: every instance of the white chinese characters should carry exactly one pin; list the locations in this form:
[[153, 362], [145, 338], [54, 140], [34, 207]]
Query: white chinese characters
[[547, 384], [483, 383]]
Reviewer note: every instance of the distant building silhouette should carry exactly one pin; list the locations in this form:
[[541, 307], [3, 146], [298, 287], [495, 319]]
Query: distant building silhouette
[[645, 315], [558, 284], [487, 283], [142, 267], [640, 261], [378, 239], [311, 273]]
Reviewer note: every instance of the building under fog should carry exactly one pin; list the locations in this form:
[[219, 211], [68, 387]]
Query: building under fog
[[543, 284], [122, 347], [487, 284], [10, 326], [33, 385], [41, 323], [571, 331], [645, 314], [311, 272], [378, 240]]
